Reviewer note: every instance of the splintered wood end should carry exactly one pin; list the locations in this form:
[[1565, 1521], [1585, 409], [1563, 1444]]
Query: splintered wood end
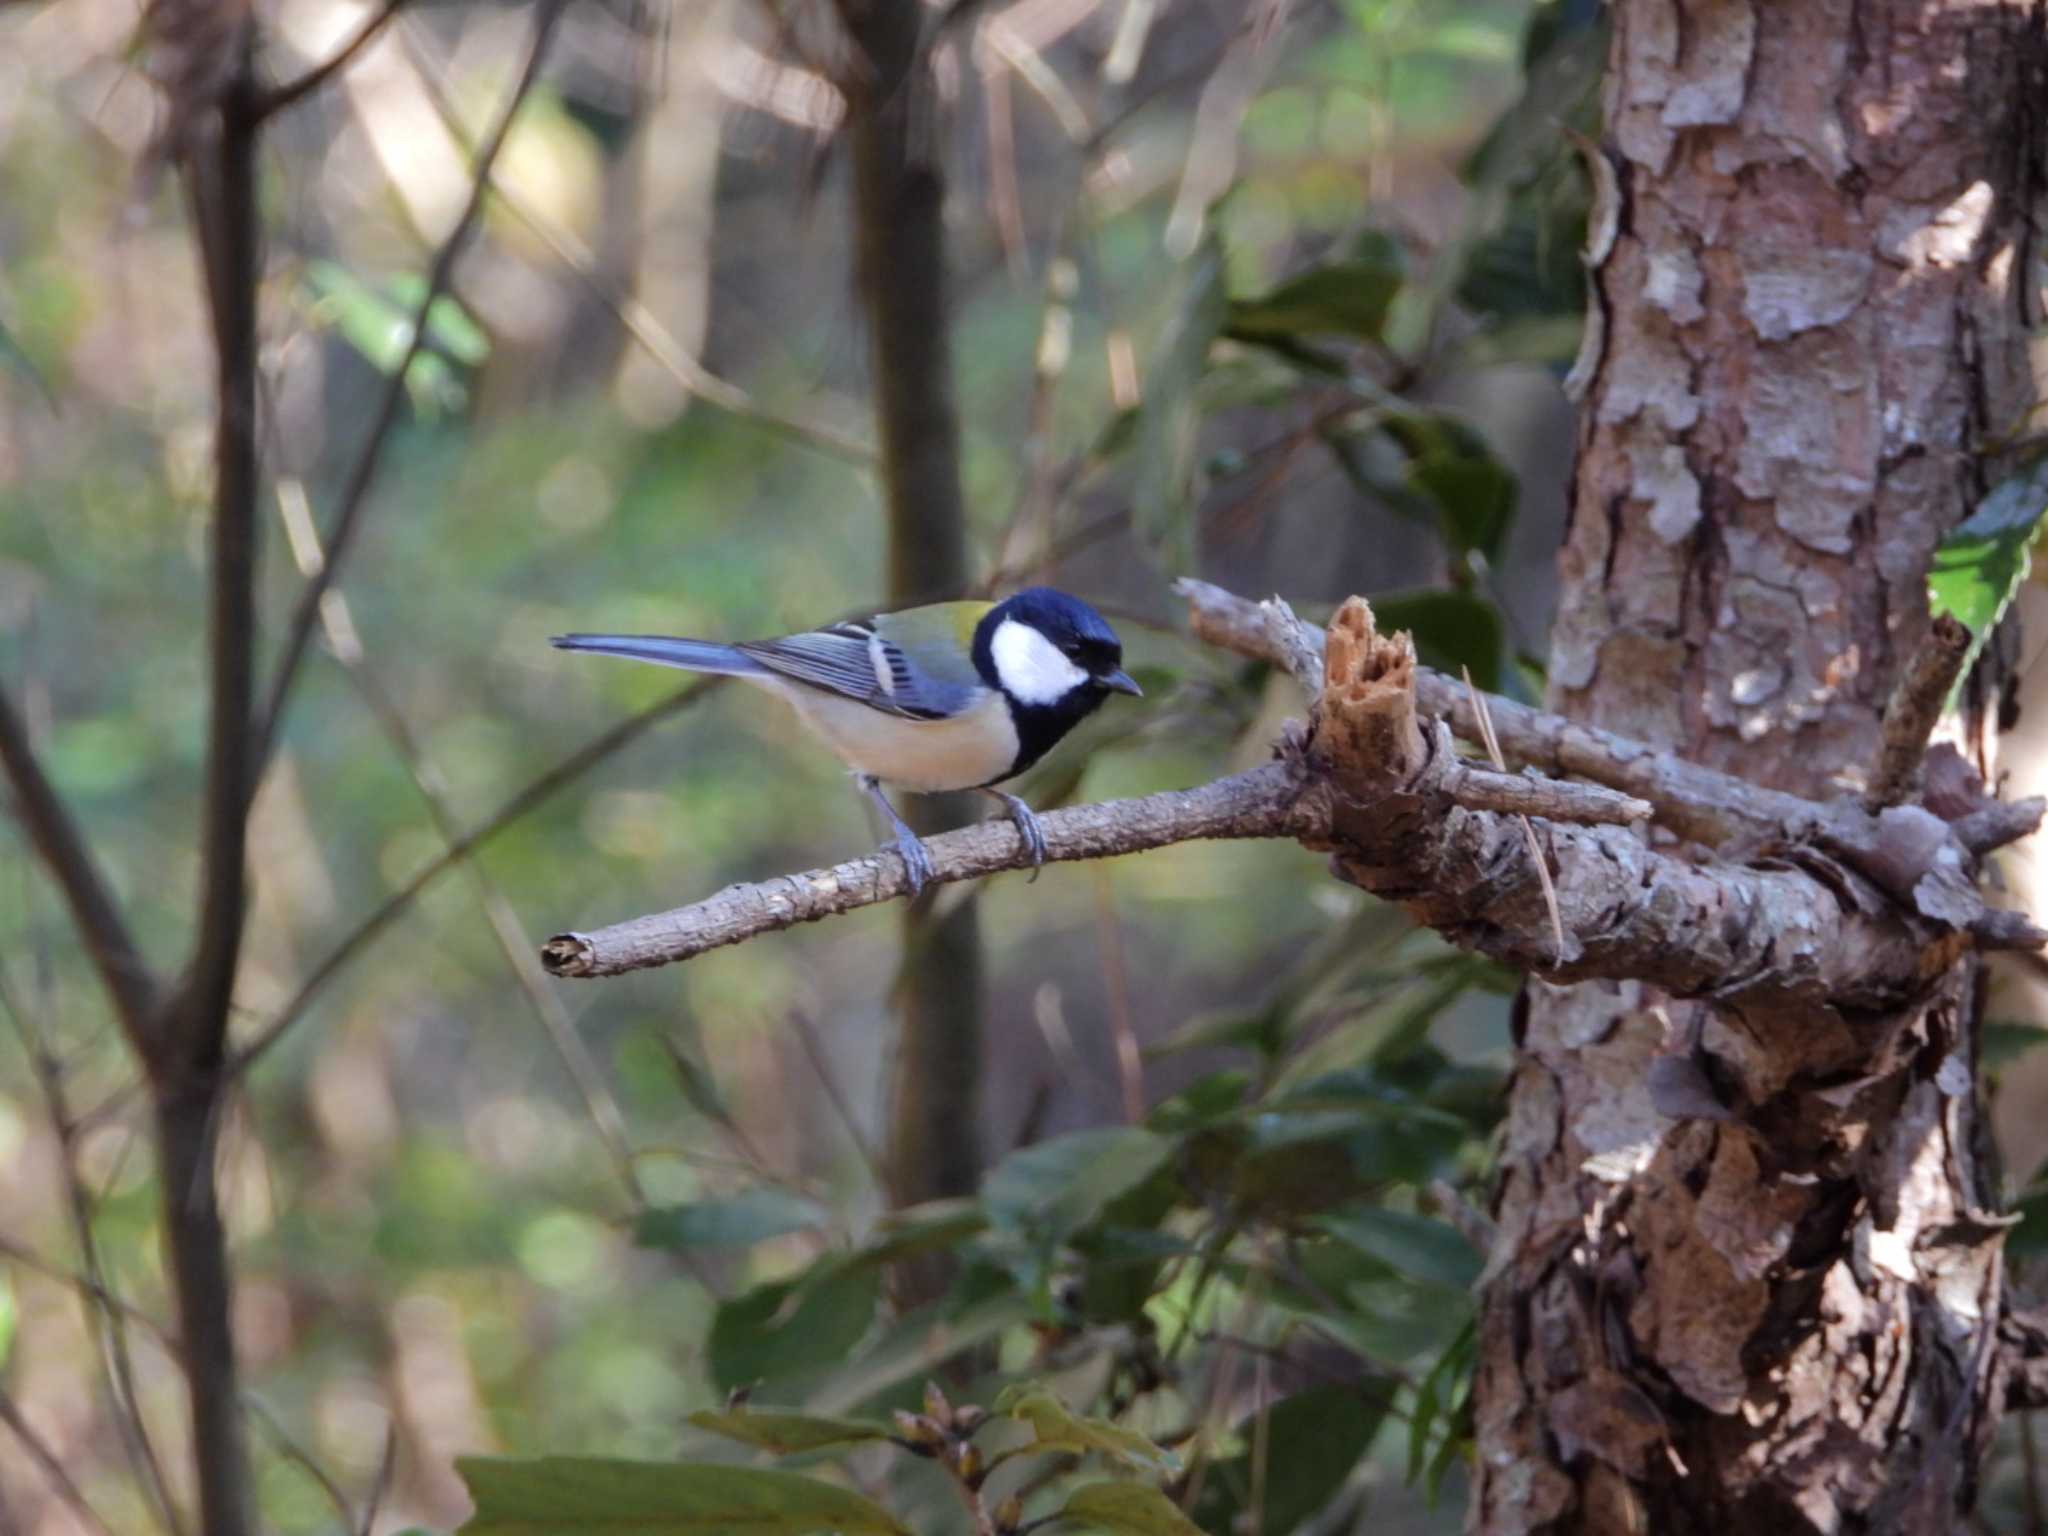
[[1368, 726]]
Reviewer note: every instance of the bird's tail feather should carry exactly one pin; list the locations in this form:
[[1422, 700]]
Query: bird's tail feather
[[690, 655]]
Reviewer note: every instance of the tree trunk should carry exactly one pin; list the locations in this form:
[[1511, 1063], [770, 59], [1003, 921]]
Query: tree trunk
[[899, 216], [1747, 1277]]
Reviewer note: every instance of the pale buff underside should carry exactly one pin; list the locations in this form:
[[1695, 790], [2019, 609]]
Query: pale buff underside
[[924, 755]]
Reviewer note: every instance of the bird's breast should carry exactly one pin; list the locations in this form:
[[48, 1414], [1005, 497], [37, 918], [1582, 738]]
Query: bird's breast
[[975, 747]]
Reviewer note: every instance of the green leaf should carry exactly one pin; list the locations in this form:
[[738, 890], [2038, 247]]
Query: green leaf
[[2030, 1237], [754, 1217], [1129, 1509], [785, 1329], [787, 1433], [698, 1087], [1057, 1427], [1431, 466], [1979, 565], [1314, 1441], [377, 321], [1447, 1380], [921, 1228], [919, 1344], [1051, 1190], [593, 1496], [1346, 298], [1451, 630], [1475, 499], [1419, 1246], [2002, 1040], [1169, 417]]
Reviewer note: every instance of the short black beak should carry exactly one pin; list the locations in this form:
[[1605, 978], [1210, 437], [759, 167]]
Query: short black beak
[[1120, 682]]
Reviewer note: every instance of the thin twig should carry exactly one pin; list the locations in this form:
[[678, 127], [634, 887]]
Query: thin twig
[[19, 1253], [1261, 803], [50, 827], [387, 1471], [292, 1450], [355, 495], [108, 1313], [292, 92], [38, 1449], [1130, 1060], [641, 323], [1915, 709], [814, 1048], [586, 757], [344, 640]]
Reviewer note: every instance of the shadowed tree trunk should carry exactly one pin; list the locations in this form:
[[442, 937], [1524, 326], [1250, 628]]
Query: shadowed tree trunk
[[899, 209], [1748, 1274]]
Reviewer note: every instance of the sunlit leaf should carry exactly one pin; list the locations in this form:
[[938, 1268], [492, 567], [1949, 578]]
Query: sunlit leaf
[[759, 1214], [1129, 1509], [377, 321], [1055, 1426], [1979, 565], [591, 1496], [787, 1433]]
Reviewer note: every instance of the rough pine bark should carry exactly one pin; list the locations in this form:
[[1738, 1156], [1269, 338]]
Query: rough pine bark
[[1749, 1268]]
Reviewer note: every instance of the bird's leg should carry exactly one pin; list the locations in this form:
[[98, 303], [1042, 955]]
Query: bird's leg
[[917, 861], [1029, 832]]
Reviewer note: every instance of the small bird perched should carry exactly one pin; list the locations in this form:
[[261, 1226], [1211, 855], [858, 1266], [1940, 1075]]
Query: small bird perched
[[950, 696]]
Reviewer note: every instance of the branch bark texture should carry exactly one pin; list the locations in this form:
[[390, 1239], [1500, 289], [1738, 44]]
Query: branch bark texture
[[1266, 802], [1380, 788]]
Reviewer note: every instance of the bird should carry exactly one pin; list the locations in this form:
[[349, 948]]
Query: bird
[[949, 696]]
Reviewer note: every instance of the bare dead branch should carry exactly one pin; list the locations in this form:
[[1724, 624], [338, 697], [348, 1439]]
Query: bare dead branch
[[1696, 929], [1916, 706], [64, 852], [355, 494], [1901, 851], [1389, 799], [294, 91], [1999, 824], [1261, 803]]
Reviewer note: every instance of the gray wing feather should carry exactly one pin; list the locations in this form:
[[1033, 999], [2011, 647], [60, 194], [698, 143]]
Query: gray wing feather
[[847, 659]]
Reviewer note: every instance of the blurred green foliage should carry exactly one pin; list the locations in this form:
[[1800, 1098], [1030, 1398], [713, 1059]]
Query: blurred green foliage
[[432, 1237]]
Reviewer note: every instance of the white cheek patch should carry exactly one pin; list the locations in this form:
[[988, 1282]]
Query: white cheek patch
[[1030, 666]]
